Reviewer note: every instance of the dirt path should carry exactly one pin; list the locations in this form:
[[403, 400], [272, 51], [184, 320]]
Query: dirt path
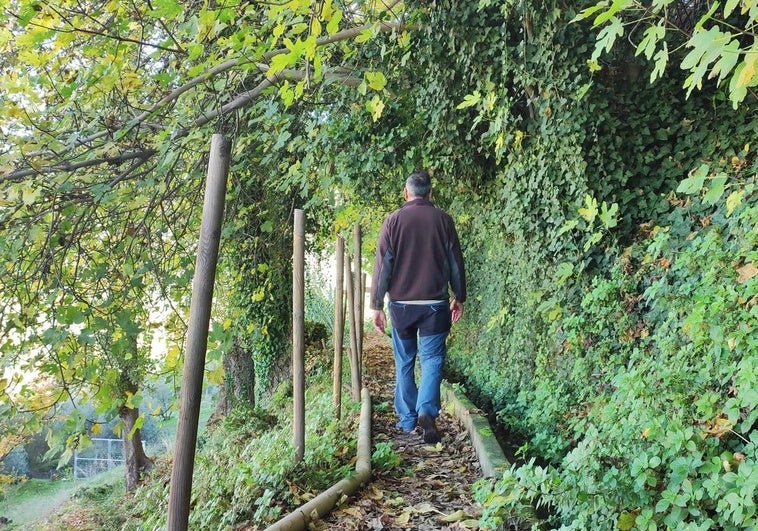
[[31, 509], [430, 489]]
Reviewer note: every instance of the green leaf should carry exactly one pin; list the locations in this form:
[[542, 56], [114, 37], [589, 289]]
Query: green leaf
[[278, 63], [375, 106], [716, 190], [661, 59], [333, 25], [607, 37], [563, 272], [587, 13], [376, 80], [733, 201], [589, 212], [729, 57], [29, 194], [470, 100], [364, 35], [650, 40], [616, 6], [609, 215], [694, 183], [729, 6]]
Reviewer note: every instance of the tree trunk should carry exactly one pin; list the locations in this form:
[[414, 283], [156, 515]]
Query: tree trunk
[[136, 461], [239, 382]]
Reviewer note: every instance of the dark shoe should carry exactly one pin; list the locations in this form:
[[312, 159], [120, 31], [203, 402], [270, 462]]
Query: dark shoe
[[431, 435]]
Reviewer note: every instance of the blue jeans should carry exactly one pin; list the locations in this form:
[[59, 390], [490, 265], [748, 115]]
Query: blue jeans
[[418, 330]]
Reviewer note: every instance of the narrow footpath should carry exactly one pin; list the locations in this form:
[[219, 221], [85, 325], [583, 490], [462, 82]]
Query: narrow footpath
[[431, 486]]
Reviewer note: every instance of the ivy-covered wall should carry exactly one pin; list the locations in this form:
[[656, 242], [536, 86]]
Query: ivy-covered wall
[[609, 232], [608, 327]]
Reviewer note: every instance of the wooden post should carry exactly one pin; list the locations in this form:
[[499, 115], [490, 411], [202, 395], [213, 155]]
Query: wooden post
[[355, 369], [358, 299], [298, 335], [197, 334], [339, 324]]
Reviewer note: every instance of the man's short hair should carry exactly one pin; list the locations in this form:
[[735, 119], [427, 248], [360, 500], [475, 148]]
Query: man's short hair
[[418, 183]]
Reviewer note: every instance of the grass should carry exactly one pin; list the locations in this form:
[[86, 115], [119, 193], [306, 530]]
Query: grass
[[35, 499], [42, 504]]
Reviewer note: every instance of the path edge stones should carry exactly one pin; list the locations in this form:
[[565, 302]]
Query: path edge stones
[[491, 457]]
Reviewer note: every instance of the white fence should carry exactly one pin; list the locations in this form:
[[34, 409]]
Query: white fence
[[103, 455]]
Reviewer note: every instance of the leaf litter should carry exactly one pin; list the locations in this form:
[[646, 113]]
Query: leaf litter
[[430, 488]]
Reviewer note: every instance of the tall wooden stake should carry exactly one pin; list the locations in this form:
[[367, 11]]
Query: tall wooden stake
[[298, 335], [339, 324], [358, 297], [355, 369], [197, 334]]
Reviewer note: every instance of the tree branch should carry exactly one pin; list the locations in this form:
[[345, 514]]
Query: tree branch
[[240, 101]]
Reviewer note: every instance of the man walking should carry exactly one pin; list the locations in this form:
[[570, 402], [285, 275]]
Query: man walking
[[418, 256]]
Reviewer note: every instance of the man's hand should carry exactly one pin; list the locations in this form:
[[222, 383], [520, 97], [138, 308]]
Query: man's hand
[[380, 320], [456, 310]]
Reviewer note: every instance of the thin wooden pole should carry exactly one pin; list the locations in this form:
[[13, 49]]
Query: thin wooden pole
[[355, 370], [298, 335], [358, 298], [339, 324], [197, 334]]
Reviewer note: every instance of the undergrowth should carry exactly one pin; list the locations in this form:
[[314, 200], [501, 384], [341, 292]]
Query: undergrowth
[[245, 469], [657, 369]]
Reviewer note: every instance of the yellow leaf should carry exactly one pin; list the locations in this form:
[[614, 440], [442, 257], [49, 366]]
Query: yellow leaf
[[327, 10], [97, 428], [404, 518], [733, 201], [364, 35], [748, 73], [425, 508], [646, 433], [456, 516], [375, 107], [316, 27], [334, 23]]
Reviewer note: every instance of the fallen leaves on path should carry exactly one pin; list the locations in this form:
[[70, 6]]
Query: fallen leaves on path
[[430, 488]]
